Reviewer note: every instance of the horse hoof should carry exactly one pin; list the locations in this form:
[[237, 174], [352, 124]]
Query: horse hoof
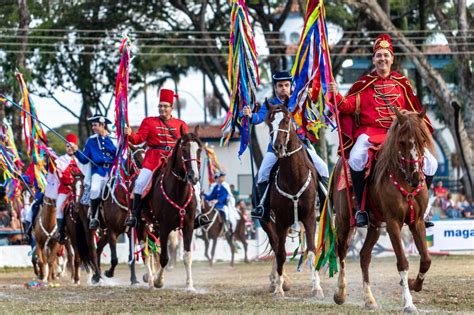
[[134, 282], [109, 274], [145, 278], [190, 289], [95, 279], [286, 286], [414, 286], [371, 305], [318, 293], [279, 294], [410, 309], [158, 284], [339, 299]]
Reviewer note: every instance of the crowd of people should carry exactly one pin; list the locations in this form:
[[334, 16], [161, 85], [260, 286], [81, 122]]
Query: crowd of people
[[447, 205]]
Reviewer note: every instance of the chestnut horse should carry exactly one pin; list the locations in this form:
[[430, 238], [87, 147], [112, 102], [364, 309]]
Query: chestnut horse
[[171, 203], [215, 229], [292, 193], [47, 247], [397, 192]]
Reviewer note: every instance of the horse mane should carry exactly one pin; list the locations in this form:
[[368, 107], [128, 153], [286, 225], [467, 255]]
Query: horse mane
[[408, 125]]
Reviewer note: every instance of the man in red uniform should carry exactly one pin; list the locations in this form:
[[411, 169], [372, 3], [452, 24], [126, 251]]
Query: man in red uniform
[[366, 112], [160, 135]]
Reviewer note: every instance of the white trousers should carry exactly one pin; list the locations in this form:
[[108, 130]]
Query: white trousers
[[144, 178], [359, 156], [52, 186], [97, 185], [270, 159], [59, 205]]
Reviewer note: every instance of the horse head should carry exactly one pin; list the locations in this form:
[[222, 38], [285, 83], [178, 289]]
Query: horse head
[[279, 122], [404, 148], [137, 154], [189, 149]]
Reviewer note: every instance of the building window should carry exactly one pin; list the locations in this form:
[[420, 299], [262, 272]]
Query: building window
[[245, 184]]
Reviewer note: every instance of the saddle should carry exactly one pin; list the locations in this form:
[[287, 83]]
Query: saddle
[[156, 173], [377, 142]]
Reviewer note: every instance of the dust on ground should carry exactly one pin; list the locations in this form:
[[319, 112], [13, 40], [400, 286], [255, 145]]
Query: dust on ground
[[244, 289]]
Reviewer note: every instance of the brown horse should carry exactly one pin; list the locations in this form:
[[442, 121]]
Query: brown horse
[[216, 229], [171, 203], [46, 247], [114, 212], [80, 238], [292, 193], [399, 166]]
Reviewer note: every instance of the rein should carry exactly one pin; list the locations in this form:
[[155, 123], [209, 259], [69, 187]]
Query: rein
[[295, 198], [182, 210], [49, 235], [409, 195]]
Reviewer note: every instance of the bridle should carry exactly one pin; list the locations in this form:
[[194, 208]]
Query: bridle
[[185, 161], [287, 139], [405, 162]]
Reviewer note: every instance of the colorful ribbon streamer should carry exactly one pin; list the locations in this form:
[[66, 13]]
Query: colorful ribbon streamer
[[119, 167], [242, 73], [312, 72]]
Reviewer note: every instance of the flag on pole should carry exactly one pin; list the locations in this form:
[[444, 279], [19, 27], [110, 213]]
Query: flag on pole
[[242, 73], [312, 72], [213, 166], [35, 138], [119, 167]]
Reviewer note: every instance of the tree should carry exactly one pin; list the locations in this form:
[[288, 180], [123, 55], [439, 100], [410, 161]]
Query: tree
[[452, 106]]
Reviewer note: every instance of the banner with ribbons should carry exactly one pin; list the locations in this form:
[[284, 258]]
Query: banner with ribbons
[[312, 71], [35, 138], [119, 167], [242, 74]]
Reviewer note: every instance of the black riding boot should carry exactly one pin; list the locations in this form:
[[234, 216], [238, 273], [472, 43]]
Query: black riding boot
[[428, 181], [34, 213], [321, 195], [60, 231], [259, 211], [358, 183], [136, 213], [94, 223]]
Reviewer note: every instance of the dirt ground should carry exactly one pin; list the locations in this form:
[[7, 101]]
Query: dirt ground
[[244, 289]]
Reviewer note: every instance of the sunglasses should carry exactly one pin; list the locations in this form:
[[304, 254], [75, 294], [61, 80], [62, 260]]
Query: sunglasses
[[164, 106]]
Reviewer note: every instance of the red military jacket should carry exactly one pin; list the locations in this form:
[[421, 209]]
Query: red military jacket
[[160, 137], [365, 109], [66, 177]]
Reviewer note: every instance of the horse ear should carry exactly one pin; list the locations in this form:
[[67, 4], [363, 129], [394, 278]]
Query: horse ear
[[196, 130], [422, 114], [397, 113], [267, 105]]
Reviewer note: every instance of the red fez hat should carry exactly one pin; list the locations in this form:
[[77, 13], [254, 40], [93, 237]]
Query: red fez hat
[[72, 138], [167, 96], [383, 41]]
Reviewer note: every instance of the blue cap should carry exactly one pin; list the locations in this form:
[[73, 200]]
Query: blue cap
[[99, 119], [282, 76]]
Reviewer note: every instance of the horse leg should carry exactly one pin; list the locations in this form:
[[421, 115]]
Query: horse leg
[[213, 250], [113, 252], [43, 264], [373, 234], [76, 266], [206, 249], [241, 238], [342, 245], [95, 254], [310, 227], [419, 236], [280, 259], [188, 258], [229, 239], [100, 247], [393, 229], [163, 257]]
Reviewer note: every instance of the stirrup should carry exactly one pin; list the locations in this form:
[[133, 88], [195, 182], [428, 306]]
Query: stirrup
[[94, 224], [429, 224], [131, 222], [362, 218], [258, 212]]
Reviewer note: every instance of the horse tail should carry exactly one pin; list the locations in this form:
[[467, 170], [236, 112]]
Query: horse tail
[[82, 244]]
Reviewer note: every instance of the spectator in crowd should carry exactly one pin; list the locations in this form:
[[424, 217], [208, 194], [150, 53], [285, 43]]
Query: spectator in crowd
[[15, 225], [441, 194], [4, 225], [249, 226], [451, 209], [463, 205], [234, 191]]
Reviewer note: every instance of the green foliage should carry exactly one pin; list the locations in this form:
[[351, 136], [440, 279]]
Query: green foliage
[[58, 144]]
